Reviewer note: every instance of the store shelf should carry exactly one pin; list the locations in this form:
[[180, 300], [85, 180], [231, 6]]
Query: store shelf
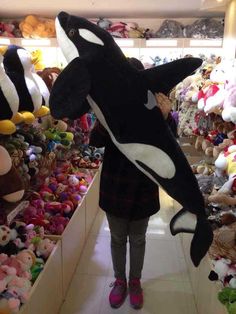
[[147, 50]]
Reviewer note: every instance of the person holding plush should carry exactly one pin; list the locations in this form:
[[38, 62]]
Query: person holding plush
[[129, 198]]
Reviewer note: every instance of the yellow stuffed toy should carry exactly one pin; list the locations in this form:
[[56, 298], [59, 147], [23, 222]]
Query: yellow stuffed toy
[[37, 60], [35, 27]]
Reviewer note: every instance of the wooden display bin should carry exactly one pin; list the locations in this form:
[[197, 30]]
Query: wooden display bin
[[92, 200], [72, 243], [46, 294], [205, 291]]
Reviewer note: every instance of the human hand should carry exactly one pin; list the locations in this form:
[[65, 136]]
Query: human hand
[[164, 104]]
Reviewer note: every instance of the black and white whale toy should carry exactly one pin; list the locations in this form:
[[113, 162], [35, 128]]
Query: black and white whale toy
[[99, 76]]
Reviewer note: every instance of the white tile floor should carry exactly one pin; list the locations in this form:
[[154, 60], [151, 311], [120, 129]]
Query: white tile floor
[[165, 280]]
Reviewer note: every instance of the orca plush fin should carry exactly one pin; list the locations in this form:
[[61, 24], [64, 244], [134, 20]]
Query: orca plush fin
[[186, 222], [201, 241], [69, 92], [183, 221], [164, 77]]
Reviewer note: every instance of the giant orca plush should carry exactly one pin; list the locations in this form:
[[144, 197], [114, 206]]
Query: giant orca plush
[[99, 76]]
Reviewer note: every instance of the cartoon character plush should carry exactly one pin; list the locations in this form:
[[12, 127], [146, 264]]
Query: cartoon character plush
[[109, 85], [35, 27]]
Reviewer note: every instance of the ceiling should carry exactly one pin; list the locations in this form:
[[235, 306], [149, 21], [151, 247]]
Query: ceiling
[[114, 8]]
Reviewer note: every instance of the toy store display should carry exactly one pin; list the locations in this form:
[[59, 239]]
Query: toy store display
[[55, 201], [23, 253], [37, 27], [47, 167], [208, 98]]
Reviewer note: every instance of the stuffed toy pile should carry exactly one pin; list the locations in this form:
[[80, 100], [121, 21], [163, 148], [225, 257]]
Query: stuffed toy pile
[[23, 253], [57, 198], [36, 27]]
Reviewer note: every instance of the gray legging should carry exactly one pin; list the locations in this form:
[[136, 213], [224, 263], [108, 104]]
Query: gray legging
[[120, 230]]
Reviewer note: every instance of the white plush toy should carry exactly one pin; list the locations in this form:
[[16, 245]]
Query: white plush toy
[[229, 106], [211, 98], [226, 162]]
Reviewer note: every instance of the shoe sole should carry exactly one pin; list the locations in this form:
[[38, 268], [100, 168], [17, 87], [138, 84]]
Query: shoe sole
[[137, 307], [119, 305]]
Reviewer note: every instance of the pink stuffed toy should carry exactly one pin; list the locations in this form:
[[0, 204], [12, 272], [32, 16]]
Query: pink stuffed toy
[[229, 111], [6, 275], [118, 30], [20, 287], [58, 224], [22, 262]]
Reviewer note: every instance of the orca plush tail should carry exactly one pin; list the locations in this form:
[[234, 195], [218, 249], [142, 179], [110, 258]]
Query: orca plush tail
[[186, 222]]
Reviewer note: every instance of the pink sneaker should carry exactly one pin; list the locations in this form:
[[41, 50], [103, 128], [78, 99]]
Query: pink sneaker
[[118, 293], [135, 294]]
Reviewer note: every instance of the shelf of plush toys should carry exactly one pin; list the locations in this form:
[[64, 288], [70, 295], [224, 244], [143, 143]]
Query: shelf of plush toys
[[48, 188], [206, 104], [61, 202], [153, 51], [171, 40]]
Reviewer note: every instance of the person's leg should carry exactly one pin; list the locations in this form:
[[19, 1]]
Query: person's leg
[[119, 231], [137, 240]]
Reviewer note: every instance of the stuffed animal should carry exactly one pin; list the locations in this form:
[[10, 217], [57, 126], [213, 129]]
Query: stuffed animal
[[211, 97], [35, 27], [170, 29], [224, 243], [45, 247], [6, 275], [118, 30], [7, 245], [20, 287], [22, 262], [32, 91], [9, 103], [49, 76], [226, 161], [11, 185], [204, 28], [104, 23], [9, 303], [7, 29], [103, 64], [227, 297], [229, 105], [37, 60]]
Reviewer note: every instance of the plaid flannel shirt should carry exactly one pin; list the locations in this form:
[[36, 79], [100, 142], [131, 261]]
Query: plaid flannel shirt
[[125, 191]]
